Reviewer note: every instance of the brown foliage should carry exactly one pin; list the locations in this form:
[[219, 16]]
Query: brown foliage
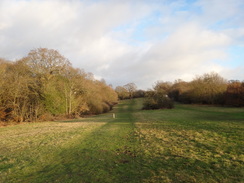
[[43, 85], [234, 94]]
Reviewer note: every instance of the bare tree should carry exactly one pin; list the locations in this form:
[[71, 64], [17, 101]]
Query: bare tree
[[207, 88], [131, 88], [162, 87], [122, 92], [47, 62]]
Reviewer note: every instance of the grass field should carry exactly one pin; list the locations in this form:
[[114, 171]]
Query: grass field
[[186, 144]]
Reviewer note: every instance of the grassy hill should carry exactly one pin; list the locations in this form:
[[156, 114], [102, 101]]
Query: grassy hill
[[185, 144]]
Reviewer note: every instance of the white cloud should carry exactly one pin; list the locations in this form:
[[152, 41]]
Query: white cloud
[[101, 36], [190, 49], [219, 10], [235, 73]]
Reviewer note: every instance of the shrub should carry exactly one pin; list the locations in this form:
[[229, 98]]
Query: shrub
[[234, 95], [106, 107], [157, 100]]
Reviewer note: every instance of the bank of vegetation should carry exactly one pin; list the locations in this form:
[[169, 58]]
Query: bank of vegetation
[[209, 88], [44, 85]]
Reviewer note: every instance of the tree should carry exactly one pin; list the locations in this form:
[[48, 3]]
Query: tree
[[3, 90], [75, 89], [48, 66], [47, 62], [44, 84], [162, 87], [208, 88], [131, 88], [179, 91], [157, 100], [139, 94], [17, 96], [234, 94], [122, 92], [158, 97]]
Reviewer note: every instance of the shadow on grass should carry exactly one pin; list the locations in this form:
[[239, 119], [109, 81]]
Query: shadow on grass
[[109, 154], [214, 119], [211, 113], [104, 156], [113, 153]]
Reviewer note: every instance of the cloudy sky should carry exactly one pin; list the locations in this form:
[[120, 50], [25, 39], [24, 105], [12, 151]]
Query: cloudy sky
[[122, 41]]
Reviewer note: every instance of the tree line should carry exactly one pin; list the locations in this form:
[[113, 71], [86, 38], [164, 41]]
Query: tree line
[[44, 85], [129, 91], [209, 88]]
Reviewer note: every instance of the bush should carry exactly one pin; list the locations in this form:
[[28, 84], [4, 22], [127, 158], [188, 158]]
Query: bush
[[234, 95], [150, 103], [106, 107], [46, 117], [158, 101]]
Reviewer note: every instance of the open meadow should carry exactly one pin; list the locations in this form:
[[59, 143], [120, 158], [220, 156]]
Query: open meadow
[[189, 143]]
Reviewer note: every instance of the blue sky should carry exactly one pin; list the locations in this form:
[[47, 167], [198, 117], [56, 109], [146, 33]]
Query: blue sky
[[140, 41]]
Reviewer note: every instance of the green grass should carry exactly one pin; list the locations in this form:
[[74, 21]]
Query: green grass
[[193, 143], [185, 144]]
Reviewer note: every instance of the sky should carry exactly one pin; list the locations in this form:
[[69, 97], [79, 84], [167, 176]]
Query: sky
[[124, 41]]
